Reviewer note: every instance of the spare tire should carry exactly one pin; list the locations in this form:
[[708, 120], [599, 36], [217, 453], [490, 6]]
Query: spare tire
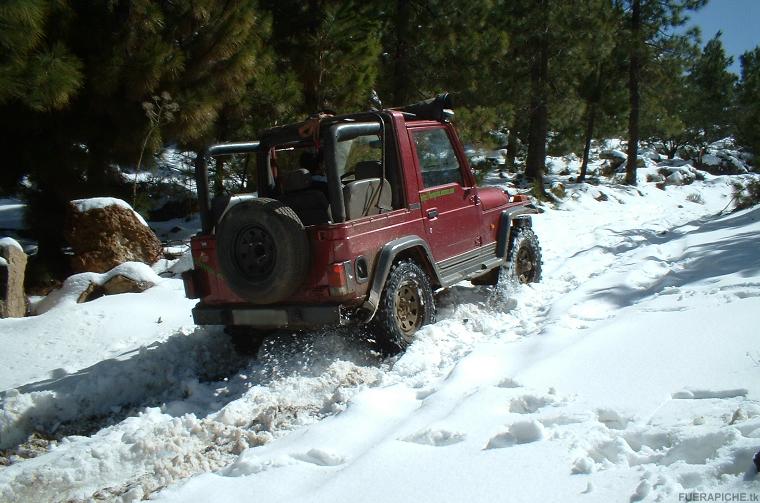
[[263, 250]]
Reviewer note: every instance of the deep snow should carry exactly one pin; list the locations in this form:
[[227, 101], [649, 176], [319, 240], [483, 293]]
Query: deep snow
[[630, 373]]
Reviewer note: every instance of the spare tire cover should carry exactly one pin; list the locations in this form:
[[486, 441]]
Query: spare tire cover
[[263, 250]]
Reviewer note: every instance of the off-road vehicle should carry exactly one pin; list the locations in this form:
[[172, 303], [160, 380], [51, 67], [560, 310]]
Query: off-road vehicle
[[355, 218]]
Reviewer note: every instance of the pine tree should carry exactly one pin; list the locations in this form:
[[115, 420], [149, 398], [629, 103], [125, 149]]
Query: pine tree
[[331, 47], [201, 53], [664, 91], [41, 73], [649, 24], [602, 83], [748, 101], [710, 87], [554, 55]]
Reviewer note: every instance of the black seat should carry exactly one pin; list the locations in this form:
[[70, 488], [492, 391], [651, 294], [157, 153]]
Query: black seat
[[311, 205]]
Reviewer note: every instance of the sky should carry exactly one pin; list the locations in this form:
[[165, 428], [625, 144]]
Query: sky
[[739, 20]]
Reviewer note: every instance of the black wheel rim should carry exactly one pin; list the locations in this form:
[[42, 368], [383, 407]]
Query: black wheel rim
[[525, 265], [408, 309], [254, 252]]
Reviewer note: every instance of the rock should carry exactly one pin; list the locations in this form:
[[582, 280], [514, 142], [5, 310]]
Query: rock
[[710, 160], [558, 189], [12, 269], [114, 286], [616, 158], [606, 169], [675, 178], [678, 176], [107, 233]]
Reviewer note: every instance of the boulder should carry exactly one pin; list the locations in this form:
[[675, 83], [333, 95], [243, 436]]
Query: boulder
[[12, 269], [114, 286], [615, 157], [106, 232]]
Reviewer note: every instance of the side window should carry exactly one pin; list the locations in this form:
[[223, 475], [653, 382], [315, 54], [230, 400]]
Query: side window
[[438, 162]]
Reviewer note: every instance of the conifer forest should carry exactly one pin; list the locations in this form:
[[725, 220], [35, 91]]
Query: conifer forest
[[90, 88]]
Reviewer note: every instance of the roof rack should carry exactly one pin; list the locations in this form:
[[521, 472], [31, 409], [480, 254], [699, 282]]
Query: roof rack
[[437, 109]]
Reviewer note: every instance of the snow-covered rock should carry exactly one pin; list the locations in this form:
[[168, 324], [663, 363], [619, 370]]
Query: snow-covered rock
[[12, 269], [81, 287], [105, 232]]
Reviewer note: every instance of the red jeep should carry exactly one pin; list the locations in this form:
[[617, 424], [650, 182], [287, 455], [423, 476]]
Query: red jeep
[[356, 219]]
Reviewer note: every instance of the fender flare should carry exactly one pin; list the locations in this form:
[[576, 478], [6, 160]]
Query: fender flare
[[511, 218], [386, 257]]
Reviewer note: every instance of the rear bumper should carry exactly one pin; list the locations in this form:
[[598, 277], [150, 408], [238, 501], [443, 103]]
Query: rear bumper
[[289, 316]]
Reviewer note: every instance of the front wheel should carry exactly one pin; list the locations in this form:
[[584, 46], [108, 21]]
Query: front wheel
[[405, 305], [524, 265]]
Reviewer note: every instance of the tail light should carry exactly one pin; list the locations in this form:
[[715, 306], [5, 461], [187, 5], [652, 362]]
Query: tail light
[[340, 278], [191, 285]]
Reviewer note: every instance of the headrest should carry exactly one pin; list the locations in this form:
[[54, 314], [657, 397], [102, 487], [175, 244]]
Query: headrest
[[298, 179], [368, 169]]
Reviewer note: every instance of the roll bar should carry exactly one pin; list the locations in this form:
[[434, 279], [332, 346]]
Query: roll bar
[[336, 133], [201, 175]]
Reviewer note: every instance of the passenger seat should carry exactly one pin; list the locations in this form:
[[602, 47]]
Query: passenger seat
[[369, 194]]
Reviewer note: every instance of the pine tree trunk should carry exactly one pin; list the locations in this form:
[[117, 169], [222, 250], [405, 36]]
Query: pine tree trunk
[[590, 119], [509, 163], [218, 176], [401, 78], [633, 90], [536, 160], [312, 91]]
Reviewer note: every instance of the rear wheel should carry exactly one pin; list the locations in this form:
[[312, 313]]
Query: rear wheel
[[246, 340], [405, 305]]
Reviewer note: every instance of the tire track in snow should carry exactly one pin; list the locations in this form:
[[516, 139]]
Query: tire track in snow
[[292, 384], [298, 381]]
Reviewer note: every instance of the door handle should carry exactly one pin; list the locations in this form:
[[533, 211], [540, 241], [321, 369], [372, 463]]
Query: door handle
[[431, 214]]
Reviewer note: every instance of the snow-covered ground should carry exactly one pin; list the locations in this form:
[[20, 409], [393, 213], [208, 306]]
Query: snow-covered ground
[[630, 373]]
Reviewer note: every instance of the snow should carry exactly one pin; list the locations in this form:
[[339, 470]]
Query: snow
[[85, 205], [630, 373], [11, 214], [10, 242], [76, 284]]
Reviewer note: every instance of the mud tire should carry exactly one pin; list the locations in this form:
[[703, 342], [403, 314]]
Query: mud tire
[[524, 265], [406, 304]]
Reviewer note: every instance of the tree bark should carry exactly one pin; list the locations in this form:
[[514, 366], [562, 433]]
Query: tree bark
[[536, 160], [590, 119], [509, 163], [634, 71], [218, 176]]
